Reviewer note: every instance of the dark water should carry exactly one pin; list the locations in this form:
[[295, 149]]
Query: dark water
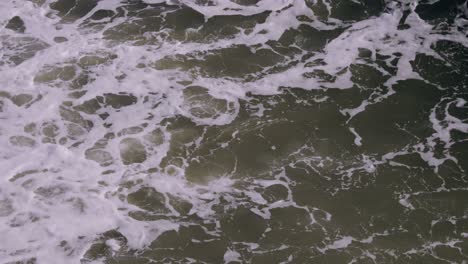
[[234, 131]]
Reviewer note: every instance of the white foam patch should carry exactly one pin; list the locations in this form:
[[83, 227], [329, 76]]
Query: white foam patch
[[232, 256], [358, 139], [344, 242], [63, 201]]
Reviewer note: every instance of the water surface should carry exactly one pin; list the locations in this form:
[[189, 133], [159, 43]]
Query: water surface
[[234, 131]]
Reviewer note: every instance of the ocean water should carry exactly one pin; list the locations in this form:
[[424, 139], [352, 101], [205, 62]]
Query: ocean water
[[234, 131]]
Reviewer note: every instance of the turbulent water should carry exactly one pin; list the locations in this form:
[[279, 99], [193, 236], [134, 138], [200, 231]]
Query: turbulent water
[[233, 131]]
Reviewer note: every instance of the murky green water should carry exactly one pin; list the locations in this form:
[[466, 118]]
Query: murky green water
[[241, 131]]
